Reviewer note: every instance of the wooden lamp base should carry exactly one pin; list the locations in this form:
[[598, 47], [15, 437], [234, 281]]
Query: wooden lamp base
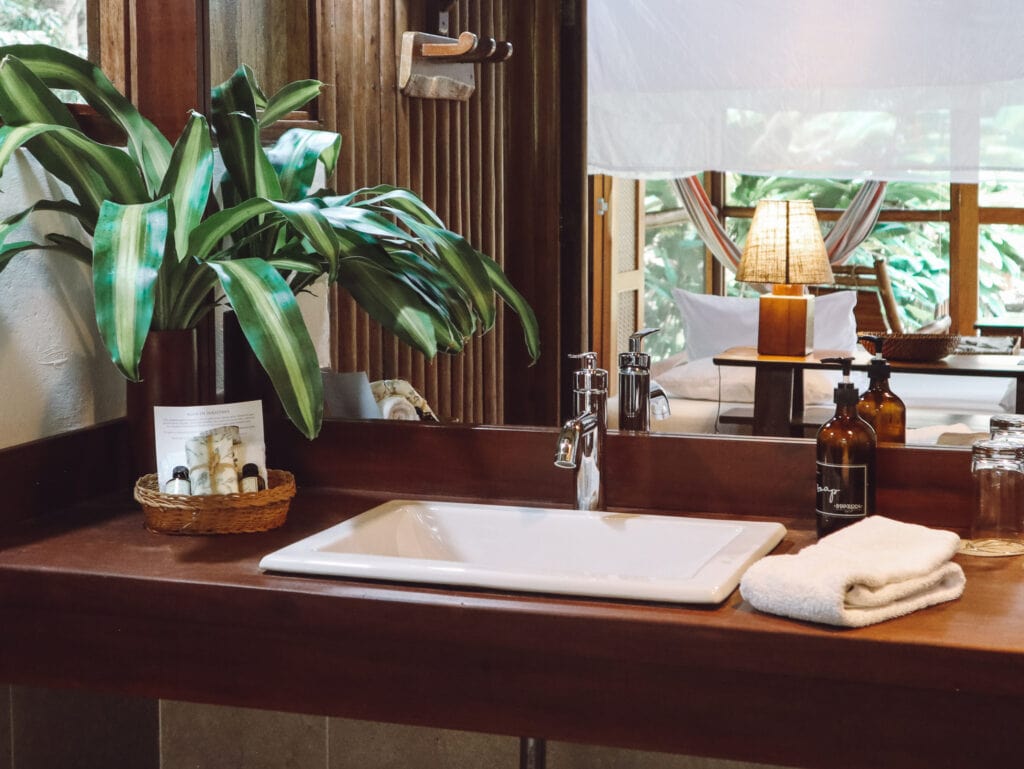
[[786, 322]]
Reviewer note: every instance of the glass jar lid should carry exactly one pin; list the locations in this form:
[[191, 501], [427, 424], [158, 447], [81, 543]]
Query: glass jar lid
[[1006, 424]]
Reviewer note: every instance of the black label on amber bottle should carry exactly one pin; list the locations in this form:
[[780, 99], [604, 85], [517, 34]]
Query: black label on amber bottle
[[842, 490]]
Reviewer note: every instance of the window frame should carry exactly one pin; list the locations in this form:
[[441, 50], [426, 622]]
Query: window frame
[[964, 216], [140, 41]]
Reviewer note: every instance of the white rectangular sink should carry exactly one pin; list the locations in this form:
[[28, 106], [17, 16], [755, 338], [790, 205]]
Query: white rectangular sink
[[613, 555]]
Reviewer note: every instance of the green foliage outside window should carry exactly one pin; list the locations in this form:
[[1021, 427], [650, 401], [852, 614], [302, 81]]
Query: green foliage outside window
[[917, 253], [43, 21]]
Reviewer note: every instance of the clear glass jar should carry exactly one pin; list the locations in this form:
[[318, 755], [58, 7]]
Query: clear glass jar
[[1007, 426], [997, 525]]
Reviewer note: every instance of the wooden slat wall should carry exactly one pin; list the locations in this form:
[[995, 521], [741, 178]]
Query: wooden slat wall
[[451, 154], [271, 36]]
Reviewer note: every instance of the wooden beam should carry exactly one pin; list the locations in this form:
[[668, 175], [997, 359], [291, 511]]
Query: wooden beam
[[963, 257], [167, 61]]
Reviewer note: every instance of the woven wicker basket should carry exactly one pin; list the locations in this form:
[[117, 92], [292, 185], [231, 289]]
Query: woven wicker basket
[[216, 513], [921, 348]]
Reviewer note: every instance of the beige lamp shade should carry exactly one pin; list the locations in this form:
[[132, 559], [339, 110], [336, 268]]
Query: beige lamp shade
[[785, 245]]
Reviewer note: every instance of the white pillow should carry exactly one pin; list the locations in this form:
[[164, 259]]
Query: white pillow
[[712, 324], [703, 380]]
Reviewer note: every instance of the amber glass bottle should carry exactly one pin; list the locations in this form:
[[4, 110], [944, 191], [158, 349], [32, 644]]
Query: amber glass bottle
[[879, 406], [846, 462]]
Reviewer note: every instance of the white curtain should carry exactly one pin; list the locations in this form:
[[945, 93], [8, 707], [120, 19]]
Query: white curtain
[[912, 90]]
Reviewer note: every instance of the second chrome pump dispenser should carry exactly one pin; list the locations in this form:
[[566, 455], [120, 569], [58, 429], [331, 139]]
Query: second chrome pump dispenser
[[639, 395]]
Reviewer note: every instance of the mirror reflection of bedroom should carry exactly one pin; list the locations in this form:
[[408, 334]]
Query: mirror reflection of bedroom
[[913, 163]]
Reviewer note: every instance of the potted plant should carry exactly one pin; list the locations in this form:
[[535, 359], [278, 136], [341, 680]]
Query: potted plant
[[161, 241]]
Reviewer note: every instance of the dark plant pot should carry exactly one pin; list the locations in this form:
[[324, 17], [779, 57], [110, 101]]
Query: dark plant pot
[[244, 376], [170, 377]]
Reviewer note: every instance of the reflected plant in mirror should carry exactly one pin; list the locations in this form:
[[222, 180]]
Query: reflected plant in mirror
[[159, 241]]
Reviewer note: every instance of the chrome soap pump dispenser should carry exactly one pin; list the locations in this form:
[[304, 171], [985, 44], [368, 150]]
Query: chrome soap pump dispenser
[[639, 395], [845, 461], [879, 406]]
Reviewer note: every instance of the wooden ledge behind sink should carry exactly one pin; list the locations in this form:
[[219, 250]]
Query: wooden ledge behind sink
[[715, 474], [727, 475]]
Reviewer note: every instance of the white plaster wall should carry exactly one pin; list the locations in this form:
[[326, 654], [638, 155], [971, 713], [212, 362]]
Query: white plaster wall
[[55, 374]]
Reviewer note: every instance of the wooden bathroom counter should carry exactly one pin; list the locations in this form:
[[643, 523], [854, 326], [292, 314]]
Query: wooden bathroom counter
[[93, 600]]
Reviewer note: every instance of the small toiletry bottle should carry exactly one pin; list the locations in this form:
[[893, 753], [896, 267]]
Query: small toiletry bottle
[[251, 480], [879, 406], [179, 483], [846, 461]]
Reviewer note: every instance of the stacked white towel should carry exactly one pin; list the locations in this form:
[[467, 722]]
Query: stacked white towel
[[874, 570], [397, 407]]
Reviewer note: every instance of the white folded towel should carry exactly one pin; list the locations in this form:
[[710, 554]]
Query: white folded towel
[[874, 570], [397, 407]]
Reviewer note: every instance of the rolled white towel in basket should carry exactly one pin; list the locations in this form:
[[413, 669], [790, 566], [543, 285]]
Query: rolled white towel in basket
[[874, 570], [397, 407]]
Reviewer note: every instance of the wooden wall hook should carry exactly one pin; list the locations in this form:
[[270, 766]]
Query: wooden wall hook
[[465, 44], [436, 75]]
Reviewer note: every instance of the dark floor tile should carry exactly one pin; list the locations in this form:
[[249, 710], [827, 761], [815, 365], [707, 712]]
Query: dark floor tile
[[64, 729]]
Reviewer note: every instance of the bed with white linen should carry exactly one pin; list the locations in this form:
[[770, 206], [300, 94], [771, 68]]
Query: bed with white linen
[[700, 392]]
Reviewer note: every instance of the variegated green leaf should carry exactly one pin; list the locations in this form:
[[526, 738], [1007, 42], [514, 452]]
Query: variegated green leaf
[[127, 252], [188, 180], [60, 69], [72, 247], [10, 250], [235, 103], [364, 221], [25, 101], [291, 97], [59, 244], [390, 301], [68, 207], [270, 318], [295, 157], [515, 300], [438, 289], [388, 198], [461, 262], [305, 217], [94, 171], [244, 157], [239, 93]]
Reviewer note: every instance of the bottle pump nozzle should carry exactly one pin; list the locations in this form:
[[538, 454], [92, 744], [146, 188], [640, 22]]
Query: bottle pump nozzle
[[879, 367], [845, 392]]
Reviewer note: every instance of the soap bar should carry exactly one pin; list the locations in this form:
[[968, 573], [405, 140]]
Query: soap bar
[[200, 479], [225, 481]]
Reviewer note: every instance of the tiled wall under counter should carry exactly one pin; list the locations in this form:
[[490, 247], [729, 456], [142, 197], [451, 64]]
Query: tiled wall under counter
[[565, 755], [215, 737], [58, 729], [368, 745], [51, 729]]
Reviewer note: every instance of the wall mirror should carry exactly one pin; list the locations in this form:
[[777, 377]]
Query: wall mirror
[[931, 230]]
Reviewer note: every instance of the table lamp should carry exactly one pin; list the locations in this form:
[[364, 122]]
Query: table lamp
[[785, 248]]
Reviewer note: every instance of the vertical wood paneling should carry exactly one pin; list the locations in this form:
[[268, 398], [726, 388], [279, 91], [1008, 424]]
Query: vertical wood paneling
[[452, 154], [271, 36]]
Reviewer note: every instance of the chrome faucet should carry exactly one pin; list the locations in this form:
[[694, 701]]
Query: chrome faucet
[[639, 395], [581, 442]]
